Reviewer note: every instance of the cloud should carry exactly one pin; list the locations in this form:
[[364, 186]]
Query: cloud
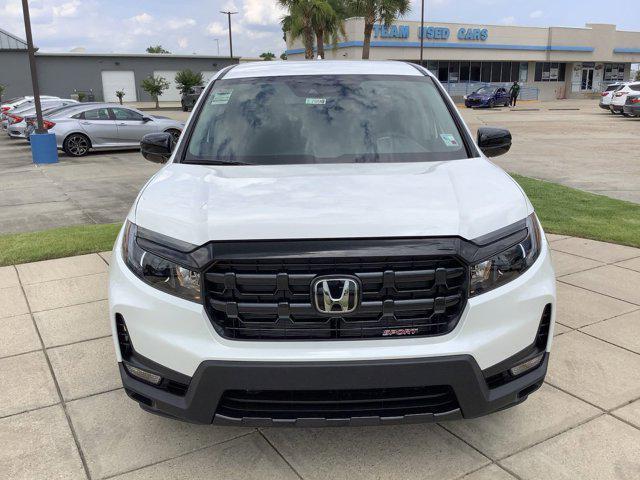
[[177, 24], [536, 14], [510, 20], [68, 9], [142, 18], [262, 12], [183, 42], [216, 28]]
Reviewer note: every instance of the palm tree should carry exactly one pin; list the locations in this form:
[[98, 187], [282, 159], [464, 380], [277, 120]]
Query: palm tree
[[329, 24], [309, 18], [377, 11]]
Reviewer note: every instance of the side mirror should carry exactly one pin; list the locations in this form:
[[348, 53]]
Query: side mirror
[[157, 147], [494, 141], [147, 119]]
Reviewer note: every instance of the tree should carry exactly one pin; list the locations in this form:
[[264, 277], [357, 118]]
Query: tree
[[638, 75], [187, 79], [296, 25], [377, 11], [2, 87], [157, 49], [328, 24], [267, 56], [120, 94], [155, 86], [283, 56]]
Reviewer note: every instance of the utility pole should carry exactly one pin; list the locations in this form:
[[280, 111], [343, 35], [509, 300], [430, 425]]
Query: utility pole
[[217, 40], [228, 14], [32, 66], [422, 33]]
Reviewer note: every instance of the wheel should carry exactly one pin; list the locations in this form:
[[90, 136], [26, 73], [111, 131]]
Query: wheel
[[626, 115], [492, 103], [175, 133], [76, 145]]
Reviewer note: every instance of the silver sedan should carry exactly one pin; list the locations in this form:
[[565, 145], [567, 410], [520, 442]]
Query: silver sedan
[[106, 127]]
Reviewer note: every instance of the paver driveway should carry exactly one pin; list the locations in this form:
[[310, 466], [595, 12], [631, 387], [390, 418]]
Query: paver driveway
[[64, 415]]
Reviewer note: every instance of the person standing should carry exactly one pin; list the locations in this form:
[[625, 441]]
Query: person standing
[[514, 91]]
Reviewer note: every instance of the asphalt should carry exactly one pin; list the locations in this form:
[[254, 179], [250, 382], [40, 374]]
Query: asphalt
[[574, 143]]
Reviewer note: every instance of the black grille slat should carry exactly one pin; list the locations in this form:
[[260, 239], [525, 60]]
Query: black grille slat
[[271, 298], [383, 402]]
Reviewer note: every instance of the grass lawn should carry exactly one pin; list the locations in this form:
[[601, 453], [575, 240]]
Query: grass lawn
[[562, 210]]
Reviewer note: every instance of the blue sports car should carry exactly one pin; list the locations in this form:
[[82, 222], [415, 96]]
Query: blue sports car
[[487, 97]]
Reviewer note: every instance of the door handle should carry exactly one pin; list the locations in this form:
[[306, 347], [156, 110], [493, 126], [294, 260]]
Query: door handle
[[85, 123], [122, 124]]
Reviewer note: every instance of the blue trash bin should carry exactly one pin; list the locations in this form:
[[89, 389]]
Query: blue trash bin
[[43, 148]]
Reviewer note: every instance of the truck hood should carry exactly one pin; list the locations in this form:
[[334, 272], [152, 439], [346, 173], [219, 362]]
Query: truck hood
[[197, 203]]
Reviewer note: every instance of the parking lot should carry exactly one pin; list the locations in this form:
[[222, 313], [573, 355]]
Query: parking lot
[[63, 413], [574, 143]]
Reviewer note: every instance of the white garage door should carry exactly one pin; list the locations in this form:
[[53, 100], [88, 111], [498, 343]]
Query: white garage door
[[113, 81], [206, 76], [172, 94]]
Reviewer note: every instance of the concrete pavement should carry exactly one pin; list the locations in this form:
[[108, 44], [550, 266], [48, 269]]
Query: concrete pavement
[[63, 413]]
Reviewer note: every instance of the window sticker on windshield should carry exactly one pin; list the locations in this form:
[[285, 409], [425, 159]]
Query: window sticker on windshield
[[449, 140], [316, 101], [222, 97]]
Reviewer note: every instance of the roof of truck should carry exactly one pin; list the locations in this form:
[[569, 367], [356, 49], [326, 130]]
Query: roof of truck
[[321, 67]]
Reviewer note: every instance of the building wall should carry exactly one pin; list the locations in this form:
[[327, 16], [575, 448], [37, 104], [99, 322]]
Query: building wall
[[14, 74], [62, 75]]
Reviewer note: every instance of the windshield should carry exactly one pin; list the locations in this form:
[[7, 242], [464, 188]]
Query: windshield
[[324, 119], [485, 90]]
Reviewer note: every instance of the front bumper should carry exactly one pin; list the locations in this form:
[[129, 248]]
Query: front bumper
[[201, 402], [633, 110]]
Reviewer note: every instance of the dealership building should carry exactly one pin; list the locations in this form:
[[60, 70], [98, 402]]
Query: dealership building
[[552, 63], [97, 75]]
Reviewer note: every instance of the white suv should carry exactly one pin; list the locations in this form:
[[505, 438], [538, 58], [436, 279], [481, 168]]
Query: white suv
[[327, 245], [620, 97], [607, 95]]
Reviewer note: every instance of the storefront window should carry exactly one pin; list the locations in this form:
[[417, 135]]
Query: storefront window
[[454, 72], [496, 68], [474, 74], [443, 71], [613, 72], [550, 72], [486, 72], [464, 71], [524, 71]]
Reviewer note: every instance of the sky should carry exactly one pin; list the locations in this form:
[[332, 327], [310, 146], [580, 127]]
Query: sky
[[192, 26]]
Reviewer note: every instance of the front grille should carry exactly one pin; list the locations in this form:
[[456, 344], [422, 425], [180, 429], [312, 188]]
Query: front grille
[[381, 402], [271, 298]]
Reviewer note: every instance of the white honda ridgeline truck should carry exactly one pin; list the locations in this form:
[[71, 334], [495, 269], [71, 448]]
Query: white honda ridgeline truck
[[327, 245]]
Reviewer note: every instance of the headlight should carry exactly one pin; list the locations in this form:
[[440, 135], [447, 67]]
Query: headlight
[[465, 97], [157, 271], [509, 264]]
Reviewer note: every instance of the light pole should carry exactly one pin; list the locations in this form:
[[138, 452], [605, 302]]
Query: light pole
[[422, 33], [32, 66], [228, 14], [217, 40], [43, 144]]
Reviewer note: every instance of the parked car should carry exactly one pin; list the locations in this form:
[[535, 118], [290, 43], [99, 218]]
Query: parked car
[[189, 99], [620, 96], [487, 97], [31, 120], [17, 127], [11, 104], [327, 245], [106, 127], [16, 114], [607, 95], [632, 105]]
